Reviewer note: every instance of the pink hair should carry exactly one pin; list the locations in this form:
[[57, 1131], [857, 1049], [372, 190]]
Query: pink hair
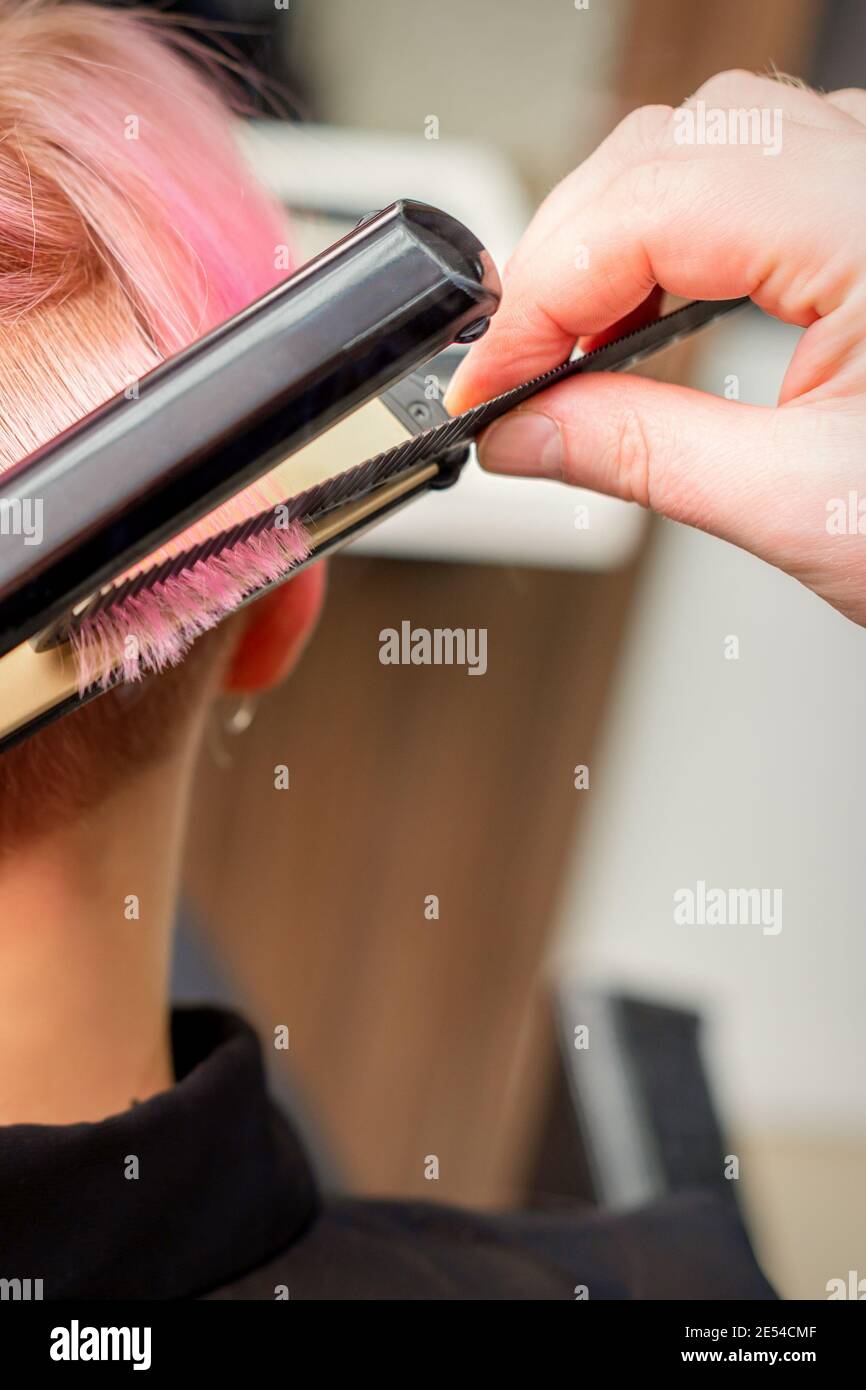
[[129, 226]]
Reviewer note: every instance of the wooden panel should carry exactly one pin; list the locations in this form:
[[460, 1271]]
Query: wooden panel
[[672, 46], [413, 1037]]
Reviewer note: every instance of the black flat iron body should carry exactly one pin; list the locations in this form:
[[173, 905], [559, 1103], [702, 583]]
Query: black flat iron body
[[404, 284]]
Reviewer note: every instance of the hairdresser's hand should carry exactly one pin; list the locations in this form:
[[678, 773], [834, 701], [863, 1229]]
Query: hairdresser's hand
[[710, 222]]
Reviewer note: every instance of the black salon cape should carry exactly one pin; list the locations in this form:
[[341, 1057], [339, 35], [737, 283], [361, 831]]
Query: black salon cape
[[225, 1206]]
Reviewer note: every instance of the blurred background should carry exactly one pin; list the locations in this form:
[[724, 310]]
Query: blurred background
[[460, 1036]]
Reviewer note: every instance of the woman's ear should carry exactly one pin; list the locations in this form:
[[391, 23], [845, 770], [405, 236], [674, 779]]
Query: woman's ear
[[273, 632]]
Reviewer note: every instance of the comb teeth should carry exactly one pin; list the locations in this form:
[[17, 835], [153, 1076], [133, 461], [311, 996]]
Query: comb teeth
[[157, 622]]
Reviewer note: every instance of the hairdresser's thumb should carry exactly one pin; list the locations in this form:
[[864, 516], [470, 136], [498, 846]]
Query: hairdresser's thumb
[[694, 457]]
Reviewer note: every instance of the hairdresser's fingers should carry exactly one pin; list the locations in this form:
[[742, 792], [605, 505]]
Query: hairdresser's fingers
[[715, 464], [641, 135], [638, 135], [723, 223], [761, 478], [830, 344], [757, 97]]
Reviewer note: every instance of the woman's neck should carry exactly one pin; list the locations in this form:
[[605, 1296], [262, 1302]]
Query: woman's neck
[[86, 919]]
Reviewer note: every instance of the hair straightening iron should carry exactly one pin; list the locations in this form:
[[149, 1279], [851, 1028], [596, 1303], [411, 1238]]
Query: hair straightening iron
[[312, 392]]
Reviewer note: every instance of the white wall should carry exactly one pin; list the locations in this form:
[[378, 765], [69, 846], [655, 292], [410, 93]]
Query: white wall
[[742, 773]]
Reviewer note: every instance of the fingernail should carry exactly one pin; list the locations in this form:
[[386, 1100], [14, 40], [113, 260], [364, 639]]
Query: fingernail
[[525, 442]]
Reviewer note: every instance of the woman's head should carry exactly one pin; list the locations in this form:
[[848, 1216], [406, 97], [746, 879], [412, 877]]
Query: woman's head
[[129, 227]]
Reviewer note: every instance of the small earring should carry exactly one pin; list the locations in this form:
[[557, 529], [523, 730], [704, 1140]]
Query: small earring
[[230, 717], [239, 714]]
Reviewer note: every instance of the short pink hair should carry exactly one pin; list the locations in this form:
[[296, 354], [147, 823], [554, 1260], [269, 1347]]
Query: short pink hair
[[129, 227]]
